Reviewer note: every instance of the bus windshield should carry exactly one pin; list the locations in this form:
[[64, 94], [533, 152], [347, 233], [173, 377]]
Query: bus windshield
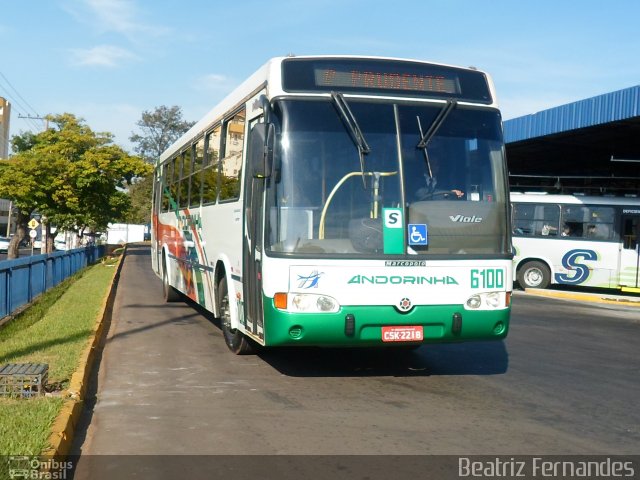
[[328, 198]]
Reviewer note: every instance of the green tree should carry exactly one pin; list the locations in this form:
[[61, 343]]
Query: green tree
[[18, 185], [71, 175], [160, 128], [23, 142], [140, 197]]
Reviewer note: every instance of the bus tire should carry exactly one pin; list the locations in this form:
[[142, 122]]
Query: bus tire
[[236, 341], [169, 293], [534, 274]]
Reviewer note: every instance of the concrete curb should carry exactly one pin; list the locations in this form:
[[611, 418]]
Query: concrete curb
[[63, 428], [585, 297]]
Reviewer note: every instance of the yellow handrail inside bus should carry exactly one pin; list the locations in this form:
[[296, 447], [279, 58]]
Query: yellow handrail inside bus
[[374, 212]]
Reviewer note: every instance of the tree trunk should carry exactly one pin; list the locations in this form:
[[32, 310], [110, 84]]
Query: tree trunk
[[21, 233], [47, 240]]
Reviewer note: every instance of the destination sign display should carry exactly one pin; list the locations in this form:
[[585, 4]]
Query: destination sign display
[[386, 80], [384, 77]]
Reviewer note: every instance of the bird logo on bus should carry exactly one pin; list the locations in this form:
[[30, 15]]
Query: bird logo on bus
[[309, 281]]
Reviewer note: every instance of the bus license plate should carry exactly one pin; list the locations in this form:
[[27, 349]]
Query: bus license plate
[[413, 333]]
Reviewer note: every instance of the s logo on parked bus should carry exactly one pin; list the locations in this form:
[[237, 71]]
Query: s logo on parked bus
[[572, 261]]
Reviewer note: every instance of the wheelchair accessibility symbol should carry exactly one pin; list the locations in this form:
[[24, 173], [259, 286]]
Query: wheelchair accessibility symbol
[[417, 234]]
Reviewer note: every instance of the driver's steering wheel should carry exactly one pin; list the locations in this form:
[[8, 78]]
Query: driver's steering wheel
[[446, 194]]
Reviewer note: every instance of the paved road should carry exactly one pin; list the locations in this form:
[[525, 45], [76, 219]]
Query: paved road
[[564, 382], [24, 252]]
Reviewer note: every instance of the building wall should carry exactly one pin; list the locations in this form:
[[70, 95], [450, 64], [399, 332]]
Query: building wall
[[5, 205], [5, 120]]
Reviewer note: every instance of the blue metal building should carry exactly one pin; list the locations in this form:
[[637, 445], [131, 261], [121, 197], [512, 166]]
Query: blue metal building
[[590, 146]]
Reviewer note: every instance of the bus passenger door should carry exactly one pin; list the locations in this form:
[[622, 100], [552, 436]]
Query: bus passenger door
[[630, 253], [156, 241], [255, 182]]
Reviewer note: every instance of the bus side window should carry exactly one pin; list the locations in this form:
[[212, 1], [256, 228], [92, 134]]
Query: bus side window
[[599, 231], [174, 183], [185, 178], [572, 229], [164, 184], [196, 175], [233, 157], [523, 219], [598, 222], [547, 220], [211, 165]]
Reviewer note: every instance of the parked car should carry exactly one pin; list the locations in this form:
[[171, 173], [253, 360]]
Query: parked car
[[4, 244], [60, 244]]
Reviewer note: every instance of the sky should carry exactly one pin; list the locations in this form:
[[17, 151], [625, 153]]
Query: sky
[[108, 61]]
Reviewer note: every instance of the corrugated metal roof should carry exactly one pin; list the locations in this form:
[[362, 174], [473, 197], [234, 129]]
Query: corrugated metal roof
[[610, 107]]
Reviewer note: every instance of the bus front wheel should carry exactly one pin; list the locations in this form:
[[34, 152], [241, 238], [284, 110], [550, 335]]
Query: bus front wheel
[[235, 340], [534, 274]]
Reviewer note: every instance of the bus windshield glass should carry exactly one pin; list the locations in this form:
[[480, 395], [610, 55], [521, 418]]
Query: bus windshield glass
[[325, 199]]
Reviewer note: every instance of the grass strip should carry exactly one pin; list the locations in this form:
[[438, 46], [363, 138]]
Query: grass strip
[[25, 424], [56, 331]]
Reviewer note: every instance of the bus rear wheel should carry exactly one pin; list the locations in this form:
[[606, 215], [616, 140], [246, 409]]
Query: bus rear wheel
[[534, 274], [235, 340]]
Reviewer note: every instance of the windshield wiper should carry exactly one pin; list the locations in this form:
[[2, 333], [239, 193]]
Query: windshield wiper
[[437, 123], [354, 129]]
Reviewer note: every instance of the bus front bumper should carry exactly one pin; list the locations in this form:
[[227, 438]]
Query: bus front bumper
[[366, 326]]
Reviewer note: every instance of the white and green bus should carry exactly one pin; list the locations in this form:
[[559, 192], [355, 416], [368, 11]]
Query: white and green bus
[[341, 201], [584, 241]]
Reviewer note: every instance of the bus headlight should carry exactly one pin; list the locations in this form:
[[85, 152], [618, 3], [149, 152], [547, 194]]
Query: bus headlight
[[493, 299], [311, 303], [488, 301], [474, 302]]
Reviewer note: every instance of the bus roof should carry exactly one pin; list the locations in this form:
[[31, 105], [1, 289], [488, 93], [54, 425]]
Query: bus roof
[[271, 74], [541, 197]]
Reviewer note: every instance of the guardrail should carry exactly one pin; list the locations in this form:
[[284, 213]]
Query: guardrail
[[23, 279]]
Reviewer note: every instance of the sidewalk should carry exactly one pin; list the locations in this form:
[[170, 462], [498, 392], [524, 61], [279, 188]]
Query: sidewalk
[[613, 298]]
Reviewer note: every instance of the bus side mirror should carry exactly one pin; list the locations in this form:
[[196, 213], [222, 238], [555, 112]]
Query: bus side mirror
[[261, 150]]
